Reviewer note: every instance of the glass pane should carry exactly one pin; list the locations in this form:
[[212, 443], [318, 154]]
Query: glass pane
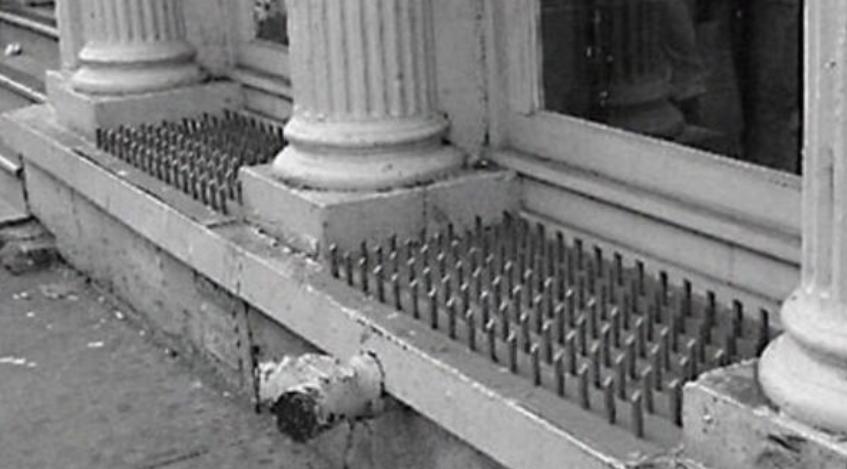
[[720, 75], [270, 17]]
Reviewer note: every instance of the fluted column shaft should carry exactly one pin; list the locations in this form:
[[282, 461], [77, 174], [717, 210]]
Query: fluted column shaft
[[134, 46], [804, 371], [364, 83]]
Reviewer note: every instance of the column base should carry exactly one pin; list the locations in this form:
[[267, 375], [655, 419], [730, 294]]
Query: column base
[[134, 80], [728, 424], [311, 220], [370, 170], [803, 386], [85, 113], [804, 372]]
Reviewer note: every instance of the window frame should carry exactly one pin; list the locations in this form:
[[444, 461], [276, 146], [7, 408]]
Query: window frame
[[254, 53], [601, 159], [262, 67]]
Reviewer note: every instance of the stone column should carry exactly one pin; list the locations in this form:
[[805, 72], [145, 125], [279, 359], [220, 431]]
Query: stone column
[[365, 114], [69, 21], [134, 46], [804, 371]]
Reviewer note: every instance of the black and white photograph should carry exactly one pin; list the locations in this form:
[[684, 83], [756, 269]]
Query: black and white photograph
[[414, 234]]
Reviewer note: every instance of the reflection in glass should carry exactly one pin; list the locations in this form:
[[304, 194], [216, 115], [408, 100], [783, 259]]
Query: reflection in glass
[[720, 75], [270, 17]]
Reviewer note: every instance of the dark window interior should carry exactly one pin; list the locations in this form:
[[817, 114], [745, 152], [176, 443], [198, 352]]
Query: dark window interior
[[720, 75], [271, 17]]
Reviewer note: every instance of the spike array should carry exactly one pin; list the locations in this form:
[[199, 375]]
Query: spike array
[[200, 156], [586, 325]]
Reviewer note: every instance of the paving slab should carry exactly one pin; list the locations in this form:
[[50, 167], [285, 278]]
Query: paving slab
[[83, 387]]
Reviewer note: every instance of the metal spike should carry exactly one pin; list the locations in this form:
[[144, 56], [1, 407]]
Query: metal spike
[[665, 291], [606, 345], [470, 320], [379, 277], [737, 318], [631, 357], [547, 336], [413, 296], [637, 417], [641, 337], [491, 335], [485, 306], [609, 400], [512, 343], [620, 374], [584, 398], [570, 350], [647, 385], [525, 334], [395, 291], [559, 370], [676, 402], [333, 260], [656, 363], [348, 268], [596, 365], [582, 335], [451, 318], [432, 298], [536, 364], [363, 267], [615, 322], [503, 313], [561, 328]]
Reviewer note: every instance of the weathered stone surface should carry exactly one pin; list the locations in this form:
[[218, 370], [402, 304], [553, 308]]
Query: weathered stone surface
[[729, 424], [26, 247], [311, 220], [85, 114]]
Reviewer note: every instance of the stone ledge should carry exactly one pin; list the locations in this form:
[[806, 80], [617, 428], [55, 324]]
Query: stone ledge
[[730, 424], [85, 114], [493, 411], [311, 219]]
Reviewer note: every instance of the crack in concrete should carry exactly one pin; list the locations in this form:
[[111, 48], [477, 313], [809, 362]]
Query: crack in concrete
[[176, 459]]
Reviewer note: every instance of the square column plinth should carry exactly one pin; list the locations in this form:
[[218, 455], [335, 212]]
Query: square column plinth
[[729, 424], [85, 113], [312, 220]]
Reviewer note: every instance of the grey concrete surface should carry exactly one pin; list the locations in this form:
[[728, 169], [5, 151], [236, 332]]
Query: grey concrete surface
[[82, 387]]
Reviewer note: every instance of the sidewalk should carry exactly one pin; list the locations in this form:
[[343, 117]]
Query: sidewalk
[[80, 387]]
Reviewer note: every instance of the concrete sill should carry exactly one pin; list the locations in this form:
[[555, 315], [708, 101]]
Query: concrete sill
[[500, 414]]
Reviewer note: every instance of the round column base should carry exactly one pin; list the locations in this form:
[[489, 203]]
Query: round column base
[[365, 170], [809, 388], [124, 80]]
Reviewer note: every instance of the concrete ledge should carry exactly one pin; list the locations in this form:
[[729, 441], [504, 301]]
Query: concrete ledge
[[85, 113], [311, 219], [729, 424], [492, 410]]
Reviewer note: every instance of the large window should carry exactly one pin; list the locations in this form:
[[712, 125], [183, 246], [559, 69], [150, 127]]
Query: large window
[[587, 105], [719, 75]]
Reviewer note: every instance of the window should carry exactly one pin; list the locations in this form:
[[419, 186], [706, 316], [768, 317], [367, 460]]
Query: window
[[262, 56], [263, 37], [718, 75], [270, 19], [552, 122]]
